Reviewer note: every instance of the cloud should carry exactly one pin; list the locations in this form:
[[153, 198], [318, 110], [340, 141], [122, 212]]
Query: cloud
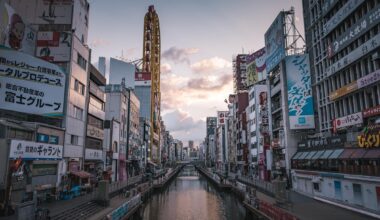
[[211, 64], [178, 120], [180, 91], [166, 68], [207, 84], [179, 55], [99, 42]]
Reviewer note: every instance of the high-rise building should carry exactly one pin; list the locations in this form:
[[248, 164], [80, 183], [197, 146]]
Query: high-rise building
[[122, 71], [151, 64], [210, 132], [191, 144], [341, 159]]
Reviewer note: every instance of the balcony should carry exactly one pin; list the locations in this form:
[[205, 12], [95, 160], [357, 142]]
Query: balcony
[[96, 91]]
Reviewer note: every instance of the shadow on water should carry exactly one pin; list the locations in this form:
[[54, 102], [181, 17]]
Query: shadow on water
[[191, 196]]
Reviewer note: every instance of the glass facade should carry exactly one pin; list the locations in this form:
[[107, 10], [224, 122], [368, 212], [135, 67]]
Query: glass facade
[[143, 93]]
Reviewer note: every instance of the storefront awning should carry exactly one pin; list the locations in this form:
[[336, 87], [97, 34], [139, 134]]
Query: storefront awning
[[335, 154], [358, 153], [310, 155], [346, 154], [81, 174], [326, 154], [297, 155], [302, 157], [318, 155], [372, 154]]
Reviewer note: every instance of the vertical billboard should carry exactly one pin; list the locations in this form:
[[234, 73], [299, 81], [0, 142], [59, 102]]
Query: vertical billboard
[[222, 115], [256, 67], [15, 33], [300, 99], [275, 42], [30, 85]]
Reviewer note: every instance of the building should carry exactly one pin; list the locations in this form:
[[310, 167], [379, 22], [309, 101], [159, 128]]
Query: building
[[258, 132], [222, 141], [210, 132], [95, 154], [62, 102], [121, 70], [133, 135], [151, 64], [117, 115], [241, 103], [231, 127], [145, 140], [191, 144], [340, 162]]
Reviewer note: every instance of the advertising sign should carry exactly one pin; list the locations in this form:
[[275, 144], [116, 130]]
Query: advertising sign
[[54, 12], [300, 100], [275, 42], [91, 154], [371, 112], [343, 12], [369, 79], [360, 51], [369, 140], [33, 150], [256, 67], [349, 120], [14, 32], [344, 90], [95, 132], [367, 22], [222, 115], [30, 85], [54, 46], [143, 79]]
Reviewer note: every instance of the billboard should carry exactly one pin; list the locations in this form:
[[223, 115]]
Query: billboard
[[54, 46], [349, 120], [143, 79], [300, 99], [256, 67], [30, 85], [54, 12], [14, 32], [222, 115], [275, 42], [34, 150]]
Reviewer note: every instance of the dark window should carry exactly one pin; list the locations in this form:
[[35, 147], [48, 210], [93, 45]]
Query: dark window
[[82, 62]]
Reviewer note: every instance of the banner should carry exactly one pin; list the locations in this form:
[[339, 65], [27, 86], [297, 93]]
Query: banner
[[34, 150], [30, 85], [349, 120], [300, 100], [275, 42], [222, 115]]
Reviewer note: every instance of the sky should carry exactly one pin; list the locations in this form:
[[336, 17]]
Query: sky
[[198, 41]]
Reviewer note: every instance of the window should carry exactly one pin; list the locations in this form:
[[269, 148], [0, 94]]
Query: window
[[316, 187], [74, 140], [82, 62], [79, 87], [78, 113]]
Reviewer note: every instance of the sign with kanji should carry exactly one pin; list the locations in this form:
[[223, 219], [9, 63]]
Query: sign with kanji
[[30, 85], [92, 154], [33, 150]]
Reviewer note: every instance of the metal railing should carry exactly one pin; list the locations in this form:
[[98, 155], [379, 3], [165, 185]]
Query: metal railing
[[116, 186]]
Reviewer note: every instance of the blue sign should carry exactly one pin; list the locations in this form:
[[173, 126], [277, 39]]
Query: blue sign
[[275, 42]]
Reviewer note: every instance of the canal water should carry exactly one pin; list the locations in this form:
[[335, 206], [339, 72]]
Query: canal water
[[191, 196]]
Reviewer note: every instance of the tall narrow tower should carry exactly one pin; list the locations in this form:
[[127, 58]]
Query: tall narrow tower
[[151, 64]]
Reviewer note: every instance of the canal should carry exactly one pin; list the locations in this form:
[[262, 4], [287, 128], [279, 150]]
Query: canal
[[191, 196]]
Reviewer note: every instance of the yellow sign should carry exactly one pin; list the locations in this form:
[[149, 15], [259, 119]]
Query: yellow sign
[[344, 90], [369, 140]]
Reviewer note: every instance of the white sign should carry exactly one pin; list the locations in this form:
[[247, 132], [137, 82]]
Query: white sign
[[54, 46], [354, 55], [54, 12], [30, 85], [91, 154], [369, 79], [33, 150], [349, 120], [222, 115]]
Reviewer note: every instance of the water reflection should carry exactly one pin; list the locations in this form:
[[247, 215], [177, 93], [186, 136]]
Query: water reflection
[[190, 196]]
